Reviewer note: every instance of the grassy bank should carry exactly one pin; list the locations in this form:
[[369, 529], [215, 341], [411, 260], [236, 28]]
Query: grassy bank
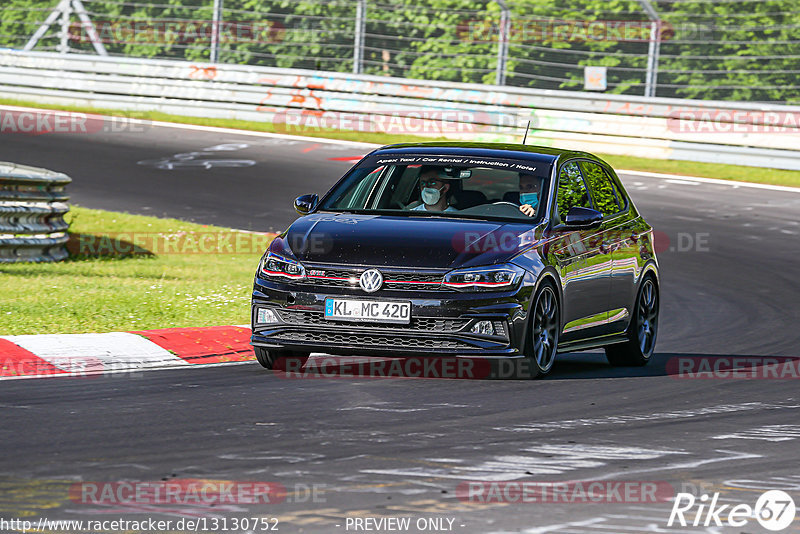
[[686, 168], [131, 272]]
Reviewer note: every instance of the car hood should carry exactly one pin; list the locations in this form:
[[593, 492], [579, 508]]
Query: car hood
[[421, 242]]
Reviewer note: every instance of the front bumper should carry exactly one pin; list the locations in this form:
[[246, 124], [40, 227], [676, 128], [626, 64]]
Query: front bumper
[[440, 322]]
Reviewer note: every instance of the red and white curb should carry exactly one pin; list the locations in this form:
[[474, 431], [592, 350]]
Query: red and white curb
[[79, 355]]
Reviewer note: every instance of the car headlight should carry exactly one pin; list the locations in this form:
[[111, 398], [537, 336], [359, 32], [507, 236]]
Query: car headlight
[[274, 266], [494, 278]]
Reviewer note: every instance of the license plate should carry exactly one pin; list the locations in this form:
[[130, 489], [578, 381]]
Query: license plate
[[367, 310]]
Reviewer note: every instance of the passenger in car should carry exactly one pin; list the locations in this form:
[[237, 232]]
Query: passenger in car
[[434, 184]]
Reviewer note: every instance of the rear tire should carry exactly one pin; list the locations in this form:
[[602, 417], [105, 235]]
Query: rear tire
[[544, 329], [276, 358], [641, 343]]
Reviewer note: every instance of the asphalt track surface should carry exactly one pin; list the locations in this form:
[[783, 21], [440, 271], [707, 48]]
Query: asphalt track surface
[[401, 447]]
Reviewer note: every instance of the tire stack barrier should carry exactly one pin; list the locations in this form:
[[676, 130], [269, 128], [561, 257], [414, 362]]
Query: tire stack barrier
[[33, 203]]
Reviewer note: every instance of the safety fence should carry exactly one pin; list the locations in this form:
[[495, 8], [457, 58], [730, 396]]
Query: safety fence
[[729, 50], [33, 202], [301, 102]]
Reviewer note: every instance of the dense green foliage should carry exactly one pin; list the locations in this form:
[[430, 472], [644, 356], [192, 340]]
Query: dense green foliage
[[744, 50]]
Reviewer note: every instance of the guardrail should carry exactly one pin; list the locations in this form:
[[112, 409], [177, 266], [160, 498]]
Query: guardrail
[[759, 135], [32, 206]]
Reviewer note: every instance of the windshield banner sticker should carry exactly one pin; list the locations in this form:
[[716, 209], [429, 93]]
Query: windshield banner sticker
[[449, 160]]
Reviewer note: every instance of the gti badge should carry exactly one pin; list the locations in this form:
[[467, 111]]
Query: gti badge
[[371, 280]]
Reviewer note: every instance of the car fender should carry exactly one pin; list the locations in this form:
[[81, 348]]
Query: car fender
[[649, 267], [548, 274]]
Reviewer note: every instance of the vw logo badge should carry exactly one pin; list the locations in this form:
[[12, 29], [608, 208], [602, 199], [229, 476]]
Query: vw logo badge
[[371, 280]]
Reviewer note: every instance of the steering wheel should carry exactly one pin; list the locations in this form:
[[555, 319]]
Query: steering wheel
[[504, 202]]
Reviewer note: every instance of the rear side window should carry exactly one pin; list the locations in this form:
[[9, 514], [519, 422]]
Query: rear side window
[[621, 200], [602, 188], [571, 190]]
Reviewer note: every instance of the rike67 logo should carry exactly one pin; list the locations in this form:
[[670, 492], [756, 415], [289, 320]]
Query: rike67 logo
[[774, 510]]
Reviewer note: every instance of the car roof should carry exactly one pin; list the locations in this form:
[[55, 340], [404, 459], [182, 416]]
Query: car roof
[[496, 150]]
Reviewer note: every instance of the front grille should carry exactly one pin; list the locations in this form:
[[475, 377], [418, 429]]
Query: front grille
[[424, 324], [369, 340], [414, 286], [402, 281]]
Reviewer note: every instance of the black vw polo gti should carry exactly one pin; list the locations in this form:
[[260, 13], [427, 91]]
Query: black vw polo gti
[[462, 249]]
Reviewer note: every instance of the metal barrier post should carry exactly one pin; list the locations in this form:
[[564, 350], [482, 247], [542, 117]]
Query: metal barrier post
[[215, 30], [653, 49], [502, 44], [358, 44], [63, 45], [97, 42]]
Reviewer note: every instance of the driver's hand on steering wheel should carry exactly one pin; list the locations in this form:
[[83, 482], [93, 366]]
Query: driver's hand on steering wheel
[[528, 210]]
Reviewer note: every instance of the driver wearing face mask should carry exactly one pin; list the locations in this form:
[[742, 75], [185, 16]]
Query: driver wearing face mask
[[434, 185], [529, 188]]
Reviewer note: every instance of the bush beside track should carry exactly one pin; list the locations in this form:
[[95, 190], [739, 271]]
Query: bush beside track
[[129, 272]]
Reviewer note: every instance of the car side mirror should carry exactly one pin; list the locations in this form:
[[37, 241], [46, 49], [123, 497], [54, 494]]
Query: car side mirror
[[306, 204], [578, 217]]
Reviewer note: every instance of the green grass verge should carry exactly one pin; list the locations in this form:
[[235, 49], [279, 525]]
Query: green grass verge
[[757, 175], [686, 168], [169, 282]]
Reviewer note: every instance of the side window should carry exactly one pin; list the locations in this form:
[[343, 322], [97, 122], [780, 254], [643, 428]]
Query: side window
[[571, 190], [401, 188], [602, 188], [355, 197]]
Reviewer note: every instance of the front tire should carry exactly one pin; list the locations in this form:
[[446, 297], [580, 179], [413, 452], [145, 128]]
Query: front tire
[[642, 331], [545, 327], [276, 359]]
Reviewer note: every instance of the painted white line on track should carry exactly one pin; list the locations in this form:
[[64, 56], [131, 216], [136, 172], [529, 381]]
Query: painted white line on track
[[693, 464], [372, 146], [625, 419], [729, 183], [680, 182], [765, 433]]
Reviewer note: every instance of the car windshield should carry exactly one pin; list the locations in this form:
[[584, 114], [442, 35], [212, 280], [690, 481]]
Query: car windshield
[[453, 186]]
